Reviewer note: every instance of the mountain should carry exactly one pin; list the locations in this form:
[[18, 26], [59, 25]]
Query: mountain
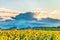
[[50, 20], [23, 20], [25, 16]]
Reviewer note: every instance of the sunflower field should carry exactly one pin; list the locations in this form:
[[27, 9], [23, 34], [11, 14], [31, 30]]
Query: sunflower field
[[29, 35]]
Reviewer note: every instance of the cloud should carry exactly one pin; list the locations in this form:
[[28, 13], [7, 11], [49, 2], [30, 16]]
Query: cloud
[[55, 14], [38, 15], [45, 14], [6, 14]]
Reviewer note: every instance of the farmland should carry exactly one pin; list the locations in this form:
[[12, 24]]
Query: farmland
[[29, 34]]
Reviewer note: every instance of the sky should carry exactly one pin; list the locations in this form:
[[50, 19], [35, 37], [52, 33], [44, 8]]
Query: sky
[[25, 13], [27, 5]]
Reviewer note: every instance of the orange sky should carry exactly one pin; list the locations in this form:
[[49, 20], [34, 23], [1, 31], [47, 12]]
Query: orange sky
[[45, 14]]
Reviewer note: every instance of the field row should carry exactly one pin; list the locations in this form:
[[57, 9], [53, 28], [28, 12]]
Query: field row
[[29, 35]]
